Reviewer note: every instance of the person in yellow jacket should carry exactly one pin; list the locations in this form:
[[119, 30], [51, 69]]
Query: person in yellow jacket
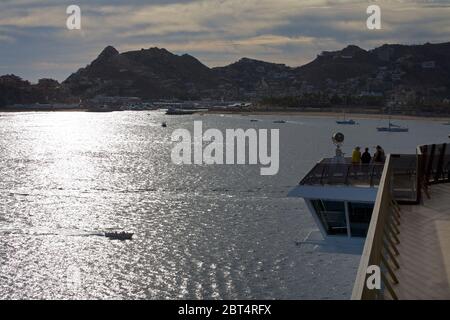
[[356, 155]]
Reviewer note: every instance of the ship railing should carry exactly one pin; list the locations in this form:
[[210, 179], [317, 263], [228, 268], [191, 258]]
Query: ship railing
[[433, 165], [380, 249], [328, 173], [405, 177]]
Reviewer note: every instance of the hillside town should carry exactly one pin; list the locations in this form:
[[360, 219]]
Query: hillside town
[[410, 80]]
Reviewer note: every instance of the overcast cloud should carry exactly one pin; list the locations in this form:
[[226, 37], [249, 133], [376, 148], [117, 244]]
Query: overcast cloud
[[35, 43]]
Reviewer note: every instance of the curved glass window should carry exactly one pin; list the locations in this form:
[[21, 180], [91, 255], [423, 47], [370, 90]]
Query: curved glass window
[[359, 215], [332, 216]]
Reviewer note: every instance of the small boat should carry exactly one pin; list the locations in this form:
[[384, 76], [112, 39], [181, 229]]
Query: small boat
[[180, 112], [103, 108], [254, 120], [349, 122], [119, 235], [346, 122], [393, 128], [279, 121]]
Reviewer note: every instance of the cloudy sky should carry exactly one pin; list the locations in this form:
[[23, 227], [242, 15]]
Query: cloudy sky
[[35, 43]]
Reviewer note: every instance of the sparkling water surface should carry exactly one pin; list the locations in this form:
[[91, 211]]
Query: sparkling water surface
[[201, 232]]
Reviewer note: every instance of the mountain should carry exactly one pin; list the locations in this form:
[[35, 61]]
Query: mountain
[[157, 73], [254, 76], [417, 67], [148, 73], [405, 74], [339, 66]]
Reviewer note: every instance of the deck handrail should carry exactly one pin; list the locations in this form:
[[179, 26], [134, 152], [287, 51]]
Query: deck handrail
[[379, 248]]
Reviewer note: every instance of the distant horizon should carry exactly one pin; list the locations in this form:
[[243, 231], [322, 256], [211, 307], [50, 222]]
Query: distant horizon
[[219, 66]]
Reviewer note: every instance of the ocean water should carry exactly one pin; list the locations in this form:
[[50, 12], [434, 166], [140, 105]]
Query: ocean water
[[201, 232]]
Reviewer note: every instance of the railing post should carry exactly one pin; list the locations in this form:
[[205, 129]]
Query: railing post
[[371, 175], [389, 287], [348, 173], [389, 269], [426, 158], [391, 255], [321, 176], [440, 164], [419, 174], [430, 164]]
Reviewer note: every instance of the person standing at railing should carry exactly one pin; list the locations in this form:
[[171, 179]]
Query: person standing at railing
[[379, 156], [366, 158], [356, 161], [356, 156]]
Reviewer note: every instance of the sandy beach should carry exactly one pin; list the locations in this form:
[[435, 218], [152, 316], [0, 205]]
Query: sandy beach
[[327, 114]]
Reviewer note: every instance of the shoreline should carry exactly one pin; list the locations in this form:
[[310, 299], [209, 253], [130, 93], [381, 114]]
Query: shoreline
[[312, 114], [331, 114]]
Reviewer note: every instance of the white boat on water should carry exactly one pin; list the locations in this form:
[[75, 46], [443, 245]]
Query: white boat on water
[[392, 128], [346, 121]]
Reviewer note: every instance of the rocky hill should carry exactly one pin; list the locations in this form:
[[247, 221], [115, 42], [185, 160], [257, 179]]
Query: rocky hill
[[419, 66], [150, 73], [414, 71], [157, 73]]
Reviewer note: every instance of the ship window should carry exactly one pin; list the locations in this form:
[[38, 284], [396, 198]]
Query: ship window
[[359, 216], [332, 216]]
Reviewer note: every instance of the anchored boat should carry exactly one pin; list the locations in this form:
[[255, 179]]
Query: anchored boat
[[180, 112], [392, 128], [346, 121]]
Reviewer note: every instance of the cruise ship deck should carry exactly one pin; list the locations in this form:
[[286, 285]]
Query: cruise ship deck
[[424, 249], [408, 240]]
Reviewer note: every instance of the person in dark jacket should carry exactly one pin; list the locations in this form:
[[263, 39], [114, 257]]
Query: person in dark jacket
[[366, 158], [379, 156]]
